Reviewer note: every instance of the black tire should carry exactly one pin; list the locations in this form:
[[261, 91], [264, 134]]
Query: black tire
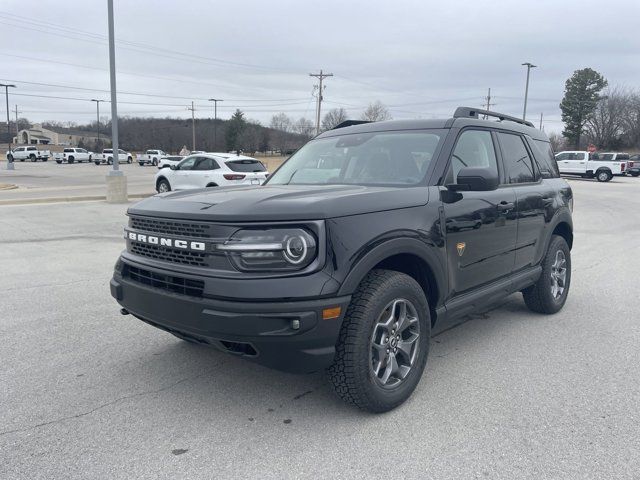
[[540, 297], [97, 162], [154, 162], [22, 159], [634, 174], [45, 159], [212, 185], [604, 176], [71, 160], [129, 160], [163, 186], [352, 373], [141, 164], [110, 161], [9, 158], [58, 162], [33, 158]]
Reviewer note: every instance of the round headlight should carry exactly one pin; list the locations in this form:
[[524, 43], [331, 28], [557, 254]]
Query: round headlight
[[295, 249]]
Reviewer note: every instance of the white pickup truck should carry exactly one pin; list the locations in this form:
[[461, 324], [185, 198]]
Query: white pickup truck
[[28, 153], [589, 165], [151, 157], [107, 157], [72, 155]]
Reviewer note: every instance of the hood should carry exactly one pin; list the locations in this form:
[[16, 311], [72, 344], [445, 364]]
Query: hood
[[279, 202]]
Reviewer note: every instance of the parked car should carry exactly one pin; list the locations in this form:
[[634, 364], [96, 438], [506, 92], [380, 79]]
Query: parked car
[[586, 165], [169, 160], [612, 157], [107, 157], [28, 153], [633, 166], [211, 170], [72, 155], [150, 157], [354, 267]]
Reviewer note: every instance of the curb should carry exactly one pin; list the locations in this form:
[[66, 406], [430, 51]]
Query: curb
[[86, 198], [8, 186]]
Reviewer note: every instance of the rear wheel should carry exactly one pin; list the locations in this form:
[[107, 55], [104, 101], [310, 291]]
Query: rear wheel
[[604, 176], [129, 160], [32, 157], [163, 186], [154, 162], [549, 293], [71, 160], [110, 161], [383, 344]]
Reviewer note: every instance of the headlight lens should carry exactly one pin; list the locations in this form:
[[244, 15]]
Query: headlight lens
[[278, 249]]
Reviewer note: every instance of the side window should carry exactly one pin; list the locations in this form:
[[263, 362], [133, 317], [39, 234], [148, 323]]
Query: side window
[[206, 164], [518, 166], [188, 163], [563, 156], [474, 148], [543, 154]]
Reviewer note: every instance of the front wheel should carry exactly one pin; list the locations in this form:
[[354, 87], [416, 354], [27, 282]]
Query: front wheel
[[129, 160], [549, 294], [33, 158], [154, 162], [163, 186], [604, 176], [383, 343]]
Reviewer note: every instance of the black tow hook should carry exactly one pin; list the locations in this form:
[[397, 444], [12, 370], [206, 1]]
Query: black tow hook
[[124, 311]]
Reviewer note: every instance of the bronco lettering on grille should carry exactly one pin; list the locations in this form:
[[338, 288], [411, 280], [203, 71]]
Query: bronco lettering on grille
[[165, 242]]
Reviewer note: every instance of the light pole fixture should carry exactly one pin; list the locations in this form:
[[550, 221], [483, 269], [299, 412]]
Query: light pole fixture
[[529, 66], [6, 94], [97, 116], [215, 120]]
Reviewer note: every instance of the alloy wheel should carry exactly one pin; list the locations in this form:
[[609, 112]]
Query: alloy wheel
[[558, 275]]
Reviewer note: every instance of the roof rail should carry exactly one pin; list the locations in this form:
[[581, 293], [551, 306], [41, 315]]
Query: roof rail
[[470, 112], [349, 123]]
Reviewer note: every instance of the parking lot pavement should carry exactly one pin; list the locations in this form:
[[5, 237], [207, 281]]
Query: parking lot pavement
[[49, 180], [88, 393]]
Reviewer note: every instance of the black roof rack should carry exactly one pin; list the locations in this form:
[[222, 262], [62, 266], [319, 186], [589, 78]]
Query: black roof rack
[[470, 112], [349, 123]]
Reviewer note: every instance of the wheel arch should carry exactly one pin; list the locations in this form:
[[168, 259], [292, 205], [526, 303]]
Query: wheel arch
[[212, 184], [408, 256], [160, 178]]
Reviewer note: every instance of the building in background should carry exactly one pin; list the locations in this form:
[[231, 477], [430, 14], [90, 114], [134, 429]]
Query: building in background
[[38, 135]]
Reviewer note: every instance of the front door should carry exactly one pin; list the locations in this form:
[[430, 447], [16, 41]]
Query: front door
[[180, 177], [481, 227]]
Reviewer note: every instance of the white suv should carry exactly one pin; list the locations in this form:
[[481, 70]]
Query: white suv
[[211, 170]]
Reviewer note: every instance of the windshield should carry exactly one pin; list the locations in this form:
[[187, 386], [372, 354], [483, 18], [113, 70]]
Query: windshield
[[377, 158]]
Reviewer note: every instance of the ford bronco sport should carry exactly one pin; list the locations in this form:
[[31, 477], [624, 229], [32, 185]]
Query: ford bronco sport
[[366, 242]]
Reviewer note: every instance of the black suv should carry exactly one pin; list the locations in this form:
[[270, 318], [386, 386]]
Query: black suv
[[366, 242]]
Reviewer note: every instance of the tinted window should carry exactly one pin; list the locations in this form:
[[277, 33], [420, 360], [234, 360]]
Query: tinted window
[[606, 157], [543, 154], [68, 150], [206, 164], [398, 158], [517, 163], [623, 156], [31, 148], [246, 166], [474, 148]]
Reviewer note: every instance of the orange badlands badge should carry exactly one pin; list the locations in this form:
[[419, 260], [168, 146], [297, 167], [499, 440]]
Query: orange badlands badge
[[460, 246]]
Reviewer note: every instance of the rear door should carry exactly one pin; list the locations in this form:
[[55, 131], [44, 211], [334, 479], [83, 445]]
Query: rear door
[[201, 174], [522, 173], [481, 227]]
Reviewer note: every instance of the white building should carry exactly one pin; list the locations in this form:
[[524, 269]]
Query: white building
[[38, 135]]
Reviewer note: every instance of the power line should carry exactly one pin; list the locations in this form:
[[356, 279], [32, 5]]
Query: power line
[[320, 76]]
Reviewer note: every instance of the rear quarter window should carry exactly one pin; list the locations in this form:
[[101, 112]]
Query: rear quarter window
[[543, 154]]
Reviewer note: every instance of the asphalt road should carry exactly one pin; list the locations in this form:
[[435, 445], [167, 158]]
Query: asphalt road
[[88, 393]]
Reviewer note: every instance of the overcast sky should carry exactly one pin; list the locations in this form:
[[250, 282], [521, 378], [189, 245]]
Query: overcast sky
[[420, 58]]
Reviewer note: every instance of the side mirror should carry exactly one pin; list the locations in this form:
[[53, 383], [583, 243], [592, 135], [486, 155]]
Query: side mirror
[[174, 167], [476, 179]]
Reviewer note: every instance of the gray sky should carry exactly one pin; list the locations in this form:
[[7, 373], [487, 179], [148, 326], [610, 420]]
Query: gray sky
[[420, 58]]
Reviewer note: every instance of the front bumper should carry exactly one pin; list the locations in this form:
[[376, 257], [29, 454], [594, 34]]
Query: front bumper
[[286, 335]]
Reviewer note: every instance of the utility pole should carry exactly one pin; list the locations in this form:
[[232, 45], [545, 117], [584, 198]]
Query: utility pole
[[529, 66], [6, 94], [193, 125], [540, 120], [215, 120], [17, 130], [320, 76], [97, 116], [488, 104], [116, 181]]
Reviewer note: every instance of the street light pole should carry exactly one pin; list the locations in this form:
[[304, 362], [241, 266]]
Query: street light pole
[[529, 66], [6, 94], [215, 120], [97, 116], [116, 181]]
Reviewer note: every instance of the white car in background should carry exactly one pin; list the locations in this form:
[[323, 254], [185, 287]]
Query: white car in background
[[211, 170], [169, 160], [72, 155]]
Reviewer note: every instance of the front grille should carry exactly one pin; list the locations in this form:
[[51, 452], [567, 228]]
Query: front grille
[[167, 254], [170, 227], [170, 283]]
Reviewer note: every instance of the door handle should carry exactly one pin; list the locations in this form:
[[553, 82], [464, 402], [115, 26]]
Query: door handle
[[505, 206]]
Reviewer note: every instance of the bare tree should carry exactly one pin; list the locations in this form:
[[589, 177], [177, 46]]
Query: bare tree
[[304, 127], [606, 126], [282, 125], [376, 112], [333, 118], [558, 142]]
